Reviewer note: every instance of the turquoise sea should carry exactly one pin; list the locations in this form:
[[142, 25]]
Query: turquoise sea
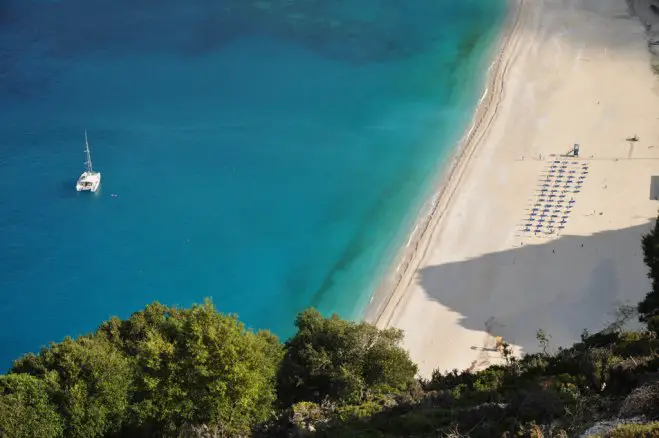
[[271, 155]]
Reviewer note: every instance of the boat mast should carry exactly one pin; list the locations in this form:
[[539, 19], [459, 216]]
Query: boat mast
[[89, 156]]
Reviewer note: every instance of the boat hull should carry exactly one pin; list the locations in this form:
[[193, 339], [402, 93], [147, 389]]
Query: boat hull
[[89, 182]]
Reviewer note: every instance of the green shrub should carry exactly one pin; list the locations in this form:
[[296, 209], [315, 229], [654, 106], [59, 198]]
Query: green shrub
[[196, 367], [650, 430], [341, 361], [25, 410], [89, 381]]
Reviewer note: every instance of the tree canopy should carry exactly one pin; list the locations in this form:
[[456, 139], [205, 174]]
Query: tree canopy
[[342, 361], [196, 366], [25, 410], [88, 379]]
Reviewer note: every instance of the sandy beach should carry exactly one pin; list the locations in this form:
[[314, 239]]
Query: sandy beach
[[522, 238]]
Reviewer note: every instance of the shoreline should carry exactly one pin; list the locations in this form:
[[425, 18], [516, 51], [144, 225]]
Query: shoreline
[[511, 245], [391, 289]]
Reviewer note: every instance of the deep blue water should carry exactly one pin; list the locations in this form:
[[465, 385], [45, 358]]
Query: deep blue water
[[270, 155]]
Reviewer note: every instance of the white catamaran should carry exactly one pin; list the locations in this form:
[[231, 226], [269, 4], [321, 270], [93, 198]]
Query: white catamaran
[[89, 180]]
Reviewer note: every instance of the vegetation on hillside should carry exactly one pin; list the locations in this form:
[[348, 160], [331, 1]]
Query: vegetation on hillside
[[169, 372]]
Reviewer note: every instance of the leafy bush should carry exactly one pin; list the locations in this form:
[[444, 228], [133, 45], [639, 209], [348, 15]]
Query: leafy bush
[[88, 379], [25, 410], [650, 430], [196, 366], [341, 361]]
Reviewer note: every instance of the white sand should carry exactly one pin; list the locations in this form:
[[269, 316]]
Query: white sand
[[570, 71]]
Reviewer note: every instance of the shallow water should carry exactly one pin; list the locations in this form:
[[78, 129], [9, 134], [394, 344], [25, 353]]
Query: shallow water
[[265, 157]]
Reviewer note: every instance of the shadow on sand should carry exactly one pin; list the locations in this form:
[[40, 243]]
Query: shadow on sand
[[562, 286]]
